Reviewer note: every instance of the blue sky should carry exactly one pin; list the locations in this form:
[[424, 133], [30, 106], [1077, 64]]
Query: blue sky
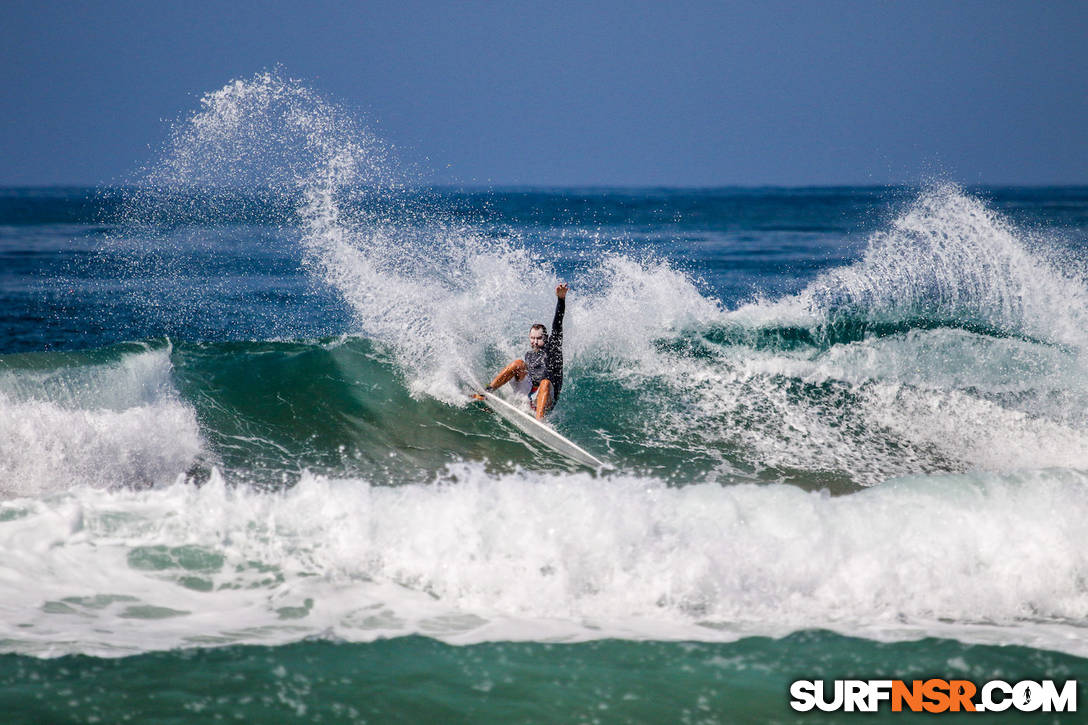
[[576, 93]]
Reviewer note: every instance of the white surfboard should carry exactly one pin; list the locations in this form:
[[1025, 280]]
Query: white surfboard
[[541, 431]]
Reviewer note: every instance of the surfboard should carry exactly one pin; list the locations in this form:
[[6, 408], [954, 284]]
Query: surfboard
[[540, 431]]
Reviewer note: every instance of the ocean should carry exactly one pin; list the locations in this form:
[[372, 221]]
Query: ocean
[[241, 479]]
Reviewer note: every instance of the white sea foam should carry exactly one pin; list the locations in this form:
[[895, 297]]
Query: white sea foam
[[108, 424], [545, 557]]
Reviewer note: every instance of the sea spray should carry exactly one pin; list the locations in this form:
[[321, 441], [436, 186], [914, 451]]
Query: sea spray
[[411, 277], [948, 260], [450, 296]]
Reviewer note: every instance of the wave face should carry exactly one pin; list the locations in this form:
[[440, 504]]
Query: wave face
[[235, 412]]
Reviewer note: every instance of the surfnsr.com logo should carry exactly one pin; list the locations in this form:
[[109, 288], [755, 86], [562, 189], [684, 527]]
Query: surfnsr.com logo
[[933, 695]]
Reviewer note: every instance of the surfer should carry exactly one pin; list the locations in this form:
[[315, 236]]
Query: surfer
[[539, 375]]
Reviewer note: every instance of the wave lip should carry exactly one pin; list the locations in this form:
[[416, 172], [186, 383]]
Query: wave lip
[[100, 419]]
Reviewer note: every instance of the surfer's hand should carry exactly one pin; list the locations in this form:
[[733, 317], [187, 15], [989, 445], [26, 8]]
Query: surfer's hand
[[561, 291]]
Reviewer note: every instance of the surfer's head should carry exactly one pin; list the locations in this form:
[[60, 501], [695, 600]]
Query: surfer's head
[[538, 336]]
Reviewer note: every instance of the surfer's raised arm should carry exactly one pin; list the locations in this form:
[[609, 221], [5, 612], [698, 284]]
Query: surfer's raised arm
[[556, 337]]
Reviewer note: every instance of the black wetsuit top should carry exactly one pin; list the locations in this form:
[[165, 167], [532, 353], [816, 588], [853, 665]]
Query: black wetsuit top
[[548, 363]]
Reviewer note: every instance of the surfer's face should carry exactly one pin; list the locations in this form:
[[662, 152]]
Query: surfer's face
[[536, 339]]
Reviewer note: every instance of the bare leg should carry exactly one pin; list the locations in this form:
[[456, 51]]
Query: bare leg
[[543, 398], [515, 370]]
